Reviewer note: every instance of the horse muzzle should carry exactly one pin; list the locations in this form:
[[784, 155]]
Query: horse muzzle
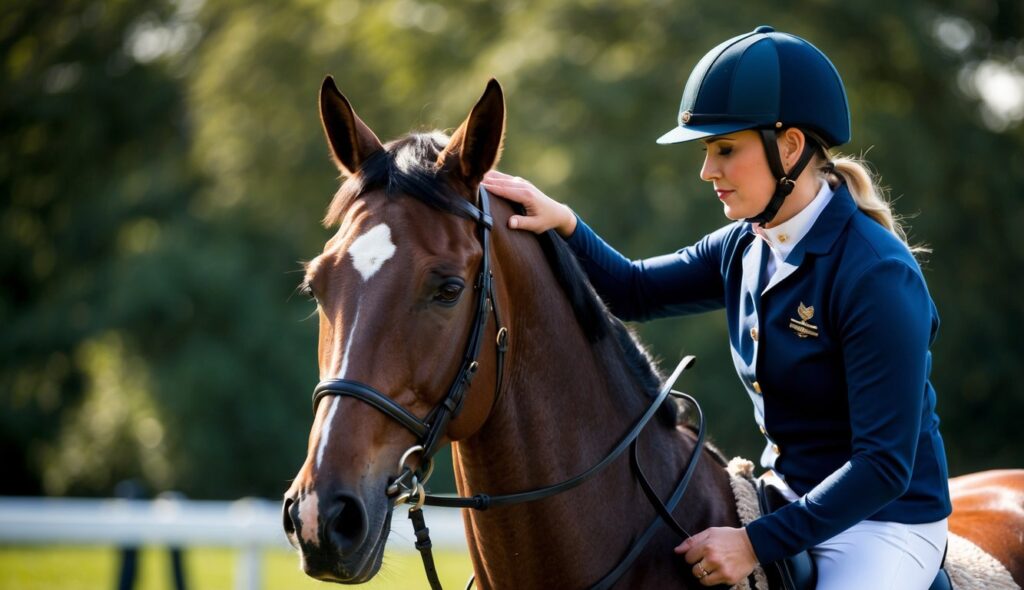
[[339, 538]]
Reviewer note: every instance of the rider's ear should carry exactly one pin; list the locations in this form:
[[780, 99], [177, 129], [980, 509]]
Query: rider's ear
[[476, 145], [791, 145], [351, 141]]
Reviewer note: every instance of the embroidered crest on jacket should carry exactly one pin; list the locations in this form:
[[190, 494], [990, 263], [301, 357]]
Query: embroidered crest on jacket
[[803, 326]]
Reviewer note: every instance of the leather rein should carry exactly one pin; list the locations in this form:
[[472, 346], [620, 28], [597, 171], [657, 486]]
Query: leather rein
[[409, 484]]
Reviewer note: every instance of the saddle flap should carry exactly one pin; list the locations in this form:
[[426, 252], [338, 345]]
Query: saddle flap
[[792, 573], [770, 496]]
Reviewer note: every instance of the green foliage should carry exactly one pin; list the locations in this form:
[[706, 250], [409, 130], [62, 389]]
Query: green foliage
[[134, 342], [162, 172]]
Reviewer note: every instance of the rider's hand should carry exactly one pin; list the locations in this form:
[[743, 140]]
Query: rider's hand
[[719, 555], [542, 212]]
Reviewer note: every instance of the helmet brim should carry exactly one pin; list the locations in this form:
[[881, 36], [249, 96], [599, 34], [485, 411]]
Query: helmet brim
[[683, 134]]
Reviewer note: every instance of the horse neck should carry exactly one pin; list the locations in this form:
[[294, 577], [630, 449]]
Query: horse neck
[[566, 404]]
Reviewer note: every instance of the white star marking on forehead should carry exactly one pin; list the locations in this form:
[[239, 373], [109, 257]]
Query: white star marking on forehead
[[371, 250]]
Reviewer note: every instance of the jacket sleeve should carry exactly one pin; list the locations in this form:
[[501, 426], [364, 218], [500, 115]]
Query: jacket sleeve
[[885, 328], [684, 282]]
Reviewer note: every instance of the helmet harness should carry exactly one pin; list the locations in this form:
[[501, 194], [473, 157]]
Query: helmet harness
[[785, 181]]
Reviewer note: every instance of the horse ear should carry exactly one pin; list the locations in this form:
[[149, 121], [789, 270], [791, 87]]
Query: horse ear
[[351, 141], [475, 147]]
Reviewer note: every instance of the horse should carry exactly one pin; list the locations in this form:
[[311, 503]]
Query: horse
[[421, 268]]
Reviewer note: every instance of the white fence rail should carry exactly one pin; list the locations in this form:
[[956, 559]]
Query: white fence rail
[[249, 524]]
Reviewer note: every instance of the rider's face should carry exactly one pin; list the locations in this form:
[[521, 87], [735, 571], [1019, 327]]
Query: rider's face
[[737, 165]]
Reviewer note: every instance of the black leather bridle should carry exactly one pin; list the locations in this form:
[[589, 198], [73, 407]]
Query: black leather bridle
[[430, 431]]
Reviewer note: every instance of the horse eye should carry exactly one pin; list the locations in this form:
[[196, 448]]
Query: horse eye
[[449, 293], [307, 291]]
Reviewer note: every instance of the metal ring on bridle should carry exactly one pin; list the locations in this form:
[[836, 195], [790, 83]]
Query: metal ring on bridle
[[426, 466], [423, 498], [416, 489], [408, 453], [398, 486], [407, 492]]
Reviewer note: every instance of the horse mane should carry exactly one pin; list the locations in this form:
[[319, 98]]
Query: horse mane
[[597, 322], [408, 166]]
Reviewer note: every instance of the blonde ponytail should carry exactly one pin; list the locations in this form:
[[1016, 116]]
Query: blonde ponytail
[[871, 197]]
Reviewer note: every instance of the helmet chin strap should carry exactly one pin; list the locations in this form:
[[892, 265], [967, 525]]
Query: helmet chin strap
[[786, 181]]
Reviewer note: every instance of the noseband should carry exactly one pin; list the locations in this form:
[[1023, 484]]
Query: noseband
[[429, 431]]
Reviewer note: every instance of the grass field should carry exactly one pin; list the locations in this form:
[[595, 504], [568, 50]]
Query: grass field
[[97, 568]]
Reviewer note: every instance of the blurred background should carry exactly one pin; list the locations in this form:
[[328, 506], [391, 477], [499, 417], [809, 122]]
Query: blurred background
[[163, 174]]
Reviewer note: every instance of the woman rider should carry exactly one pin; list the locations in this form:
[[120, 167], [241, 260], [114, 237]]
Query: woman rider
[[830, 320]]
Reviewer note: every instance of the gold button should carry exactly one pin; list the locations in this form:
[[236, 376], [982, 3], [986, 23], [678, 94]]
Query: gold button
[[763, 431], [776, 449], [783, 238], [756, 386], [753, 334]]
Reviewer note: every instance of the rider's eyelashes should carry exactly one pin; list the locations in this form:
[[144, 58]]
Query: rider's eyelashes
[[719, 150]]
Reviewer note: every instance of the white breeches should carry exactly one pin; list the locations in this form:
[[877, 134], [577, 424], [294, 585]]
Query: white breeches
[[877, 555], [881, 556]]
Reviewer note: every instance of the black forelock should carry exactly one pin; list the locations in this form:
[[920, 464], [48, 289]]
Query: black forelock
[[406, 166]]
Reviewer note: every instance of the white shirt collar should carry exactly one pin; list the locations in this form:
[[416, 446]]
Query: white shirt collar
[[784, 237]]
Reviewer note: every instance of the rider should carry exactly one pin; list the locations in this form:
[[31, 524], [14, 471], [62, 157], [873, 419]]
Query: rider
[[830, 320]]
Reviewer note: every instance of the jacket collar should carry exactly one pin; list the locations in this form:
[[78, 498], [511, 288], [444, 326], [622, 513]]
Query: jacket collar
[[819, 240], [831, 223], [826, 228]]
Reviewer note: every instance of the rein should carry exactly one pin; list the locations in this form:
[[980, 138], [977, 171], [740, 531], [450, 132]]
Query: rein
[[410, 482]]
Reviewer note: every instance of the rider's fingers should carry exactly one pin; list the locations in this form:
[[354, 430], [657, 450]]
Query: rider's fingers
[[493, 175], [514, 181], [513, 191], [528, 223]]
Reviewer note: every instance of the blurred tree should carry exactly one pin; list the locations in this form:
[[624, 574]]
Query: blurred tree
[[136, 341], [92, 156], [162, 171]]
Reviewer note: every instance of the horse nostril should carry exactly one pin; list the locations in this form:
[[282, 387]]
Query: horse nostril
[[348, 529], [286, 515]]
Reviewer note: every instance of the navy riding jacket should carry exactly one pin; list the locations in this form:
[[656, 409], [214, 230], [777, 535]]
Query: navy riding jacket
[[833, 353]]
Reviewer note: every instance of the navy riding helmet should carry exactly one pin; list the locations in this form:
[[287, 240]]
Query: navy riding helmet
[[768, 81]]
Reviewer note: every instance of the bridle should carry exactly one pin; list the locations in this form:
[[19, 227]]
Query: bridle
[[430, 431]]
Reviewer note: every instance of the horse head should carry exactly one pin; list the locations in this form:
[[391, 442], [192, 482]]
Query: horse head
[[397, 289]]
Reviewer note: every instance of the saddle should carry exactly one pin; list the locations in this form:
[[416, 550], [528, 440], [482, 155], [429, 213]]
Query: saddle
[[799, 572]]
